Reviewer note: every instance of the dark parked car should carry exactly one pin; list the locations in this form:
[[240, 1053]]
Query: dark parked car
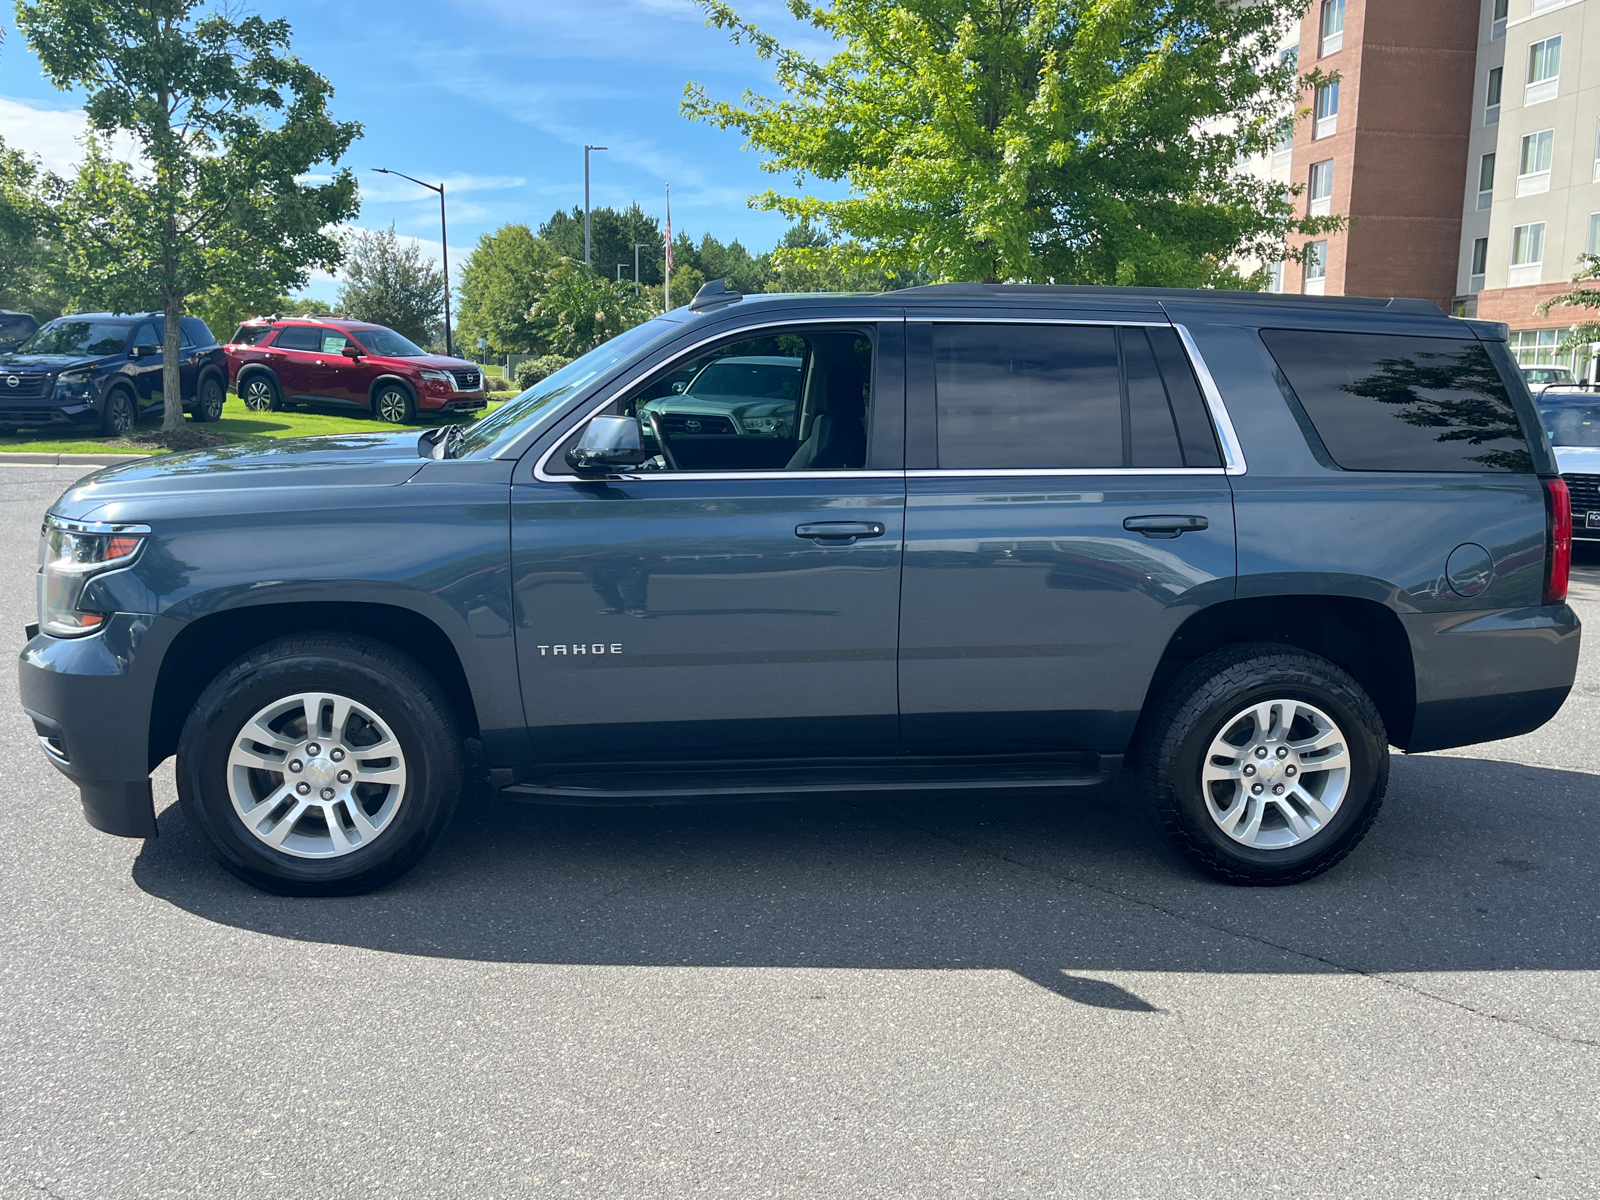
[[105, 369], [1016, 537], [355, 364], [15, 328]]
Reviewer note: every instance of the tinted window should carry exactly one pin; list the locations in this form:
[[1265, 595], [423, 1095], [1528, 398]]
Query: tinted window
[[146, 336], [249, 335], [298, 337], [197, 331], [1385, 402], [1195, 428], [1027, 396], [1152, 431], [389, 343]]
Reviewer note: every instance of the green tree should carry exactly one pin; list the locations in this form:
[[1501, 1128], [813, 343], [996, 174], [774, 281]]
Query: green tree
[[30, 261], [500, 285], [392, 283], [612, 234], [227, 124], [578, 309], [1073, 141], [1585, 333]]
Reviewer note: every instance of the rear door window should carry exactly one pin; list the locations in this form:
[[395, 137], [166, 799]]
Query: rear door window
[[1067, 397], [1390, 402], [298, 337]]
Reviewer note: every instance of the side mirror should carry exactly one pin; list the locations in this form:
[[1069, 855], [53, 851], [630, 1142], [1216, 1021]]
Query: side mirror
[[143, 351], [608, 444], [678, 388], [351, 352]]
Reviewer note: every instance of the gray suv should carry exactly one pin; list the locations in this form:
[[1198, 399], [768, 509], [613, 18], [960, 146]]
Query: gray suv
[[1230, 546]]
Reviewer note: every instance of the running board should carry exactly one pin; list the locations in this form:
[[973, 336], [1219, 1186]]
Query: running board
[[694, 783]]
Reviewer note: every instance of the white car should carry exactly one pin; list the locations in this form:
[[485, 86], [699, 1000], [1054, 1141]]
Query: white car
[[1572, 422]]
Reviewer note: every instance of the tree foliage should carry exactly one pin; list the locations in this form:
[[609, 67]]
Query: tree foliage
[[30, 259], [1582, 295], [500, 285], [577, 309], [228, 126], [1074, 141], [390, 282]]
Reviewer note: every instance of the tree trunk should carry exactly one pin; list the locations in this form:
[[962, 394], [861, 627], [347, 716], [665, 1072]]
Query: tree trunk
[[171, 380]]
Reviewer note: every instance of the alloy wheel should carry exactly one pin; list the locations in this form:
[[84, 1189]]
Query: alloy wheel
[[258, 395], [316, 775], [392, 405], [1276, 774]]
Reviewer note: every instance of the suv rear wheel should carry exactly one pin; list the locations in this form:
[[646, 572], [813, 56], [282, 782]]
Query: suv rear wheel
[[320, 765], [394, 404], [260, 394], [1266, 764], [208, 404]]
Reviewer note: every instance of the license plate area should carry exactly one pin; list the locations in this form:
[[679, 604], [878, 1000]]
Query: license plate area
[[1591, 520]]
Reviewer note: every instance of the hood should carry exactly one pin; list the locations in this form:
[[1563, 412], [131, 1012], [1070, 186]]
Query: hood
[[436, 362], [50, 362], [257, 476], [1578, 460]]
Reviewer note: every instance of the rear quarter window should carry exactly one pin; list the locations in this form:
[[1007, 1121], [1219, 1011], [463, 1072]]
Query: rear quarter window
[[249, 335], [1390, 402]]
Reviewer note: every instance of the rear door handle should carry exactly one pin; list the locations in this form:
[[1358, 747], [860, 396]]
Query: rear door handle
[[839, 533], [1164, 527]]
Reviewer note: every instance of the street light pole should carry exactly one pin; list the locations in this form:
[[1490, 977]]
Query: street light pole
[[636, 247], [444, 250], [587, 258]]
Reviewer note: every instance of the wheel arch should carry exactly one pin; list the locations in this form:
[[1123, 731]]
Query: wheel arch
[[1362, 636], [252, 369], [208, 644], [383, 381]]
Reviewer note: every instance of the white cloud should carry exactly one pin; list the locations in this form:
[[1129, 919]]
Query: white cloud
[[387, 189], [54, 135]]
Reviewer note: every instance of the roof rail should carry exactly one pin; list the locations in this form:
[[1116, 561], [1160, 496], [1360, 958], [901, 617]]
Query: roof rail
[[1039, 291]]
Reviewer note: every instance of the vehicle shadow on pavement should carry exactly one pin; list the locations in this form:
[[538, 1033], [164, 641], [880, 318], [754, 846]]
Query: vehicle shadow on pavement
[[1474, 865]]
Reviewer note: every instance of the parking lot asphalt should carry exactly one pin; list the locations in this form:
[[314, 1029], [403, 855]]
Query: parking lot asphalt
[[946, 996]]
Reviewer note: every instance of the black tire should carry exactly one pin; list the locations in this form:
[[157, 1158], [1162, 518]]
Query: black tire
[[260, 393], [1203, 703], [395, 404], [208, 404], [375, 676], [119, 413]]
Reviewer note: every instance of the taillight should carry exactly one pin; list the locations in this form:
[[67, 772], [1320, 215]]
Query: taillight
[[1558, 563]]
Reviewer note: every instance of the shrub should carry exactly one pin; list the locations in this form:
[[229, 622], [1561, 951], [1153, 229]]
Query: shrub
[[495, 383], [535, 369]]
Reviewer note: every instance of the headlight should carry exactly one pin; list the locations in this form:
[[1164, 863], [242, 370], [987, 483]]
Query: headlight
[[763, 424], [439, 377], [74, 383], [70, 552]]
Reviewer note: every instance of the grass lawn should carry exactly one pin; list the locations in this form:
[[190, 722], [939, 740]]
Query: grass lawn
[[238, 424]]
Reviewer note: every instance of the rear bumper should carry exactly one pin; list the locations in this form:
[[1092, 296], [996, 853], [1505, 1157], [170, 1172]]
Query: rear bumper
[[89, 700], [1485, 676]]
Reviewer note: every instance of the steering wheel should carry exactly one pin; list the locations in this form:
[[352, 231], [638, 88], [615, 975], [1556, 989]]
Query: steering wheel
[[660, 435]]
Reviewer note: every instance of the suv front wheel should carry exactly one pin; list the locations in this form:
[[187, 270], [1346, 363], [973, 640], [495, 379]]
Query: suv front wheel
[[394, 404], [320, 765], [1266, 764]]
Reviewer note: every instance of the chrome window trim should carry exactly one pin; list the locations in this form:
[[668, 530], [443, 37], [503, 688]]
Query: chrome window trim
[[1232, 451], [1029, 472], [540, 474]]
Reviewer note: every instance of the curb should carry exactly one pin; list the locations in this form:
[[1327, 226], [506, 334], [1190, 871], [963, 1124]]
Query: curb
[[67, 459]]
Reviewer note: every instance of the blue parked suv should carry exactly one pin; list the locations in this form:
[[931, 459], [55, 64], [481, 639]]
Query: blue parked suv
[[1231, 546], [105, 370]]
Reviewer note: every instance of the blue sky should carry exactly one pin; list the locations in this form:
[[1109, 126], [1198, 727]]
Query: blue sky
[[498, 97]]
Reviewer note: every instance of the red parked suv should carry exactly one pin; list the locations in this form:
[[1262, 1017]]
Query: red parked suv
[[328, 360]]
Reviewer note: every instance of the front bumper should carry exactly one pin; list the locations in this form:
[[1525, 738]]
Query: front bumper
[[43, 413], [1485, 676], [454, 402], [89, 699]]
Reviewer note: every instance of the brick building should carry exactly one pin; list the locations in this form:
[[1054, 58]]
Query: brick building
[[1462, 140]]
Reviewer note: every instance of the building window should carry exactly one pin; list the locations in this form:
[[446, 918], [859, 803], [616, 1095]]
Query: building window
[[1290, 57], [1332, 26], [1480, 264], [1533, 162], [1283, 152], [1591, 244], [1541, 5], [1275, 277], [1597, 153], [1537, 348], [1544, 71], [1527, 254], [1316, 274], [1491, 107], [1497, 29], [1326, 109], [1320, 202], [1485, 182]]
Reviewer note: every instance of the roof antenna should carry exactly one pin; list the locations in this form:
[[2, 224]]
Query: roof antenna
[[714, 295]]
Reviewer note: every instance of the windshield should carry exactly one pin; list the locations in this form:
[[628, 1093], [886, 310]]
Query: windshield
[[1544, 375], [539, 403], [1572, 424], [388, 343], [66, 336], [730, 377]]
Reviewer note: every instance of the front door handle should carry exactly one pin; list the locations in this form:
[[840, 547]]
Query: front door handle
[[1164, 527], [839, 533]]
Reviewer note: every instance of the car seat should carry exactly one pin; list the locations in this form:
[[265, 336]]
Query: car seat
[[838, 431]]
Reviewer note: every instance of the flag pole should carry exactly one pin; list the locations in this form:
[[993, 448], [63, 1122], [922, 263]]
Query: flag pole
[[666, 289]]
